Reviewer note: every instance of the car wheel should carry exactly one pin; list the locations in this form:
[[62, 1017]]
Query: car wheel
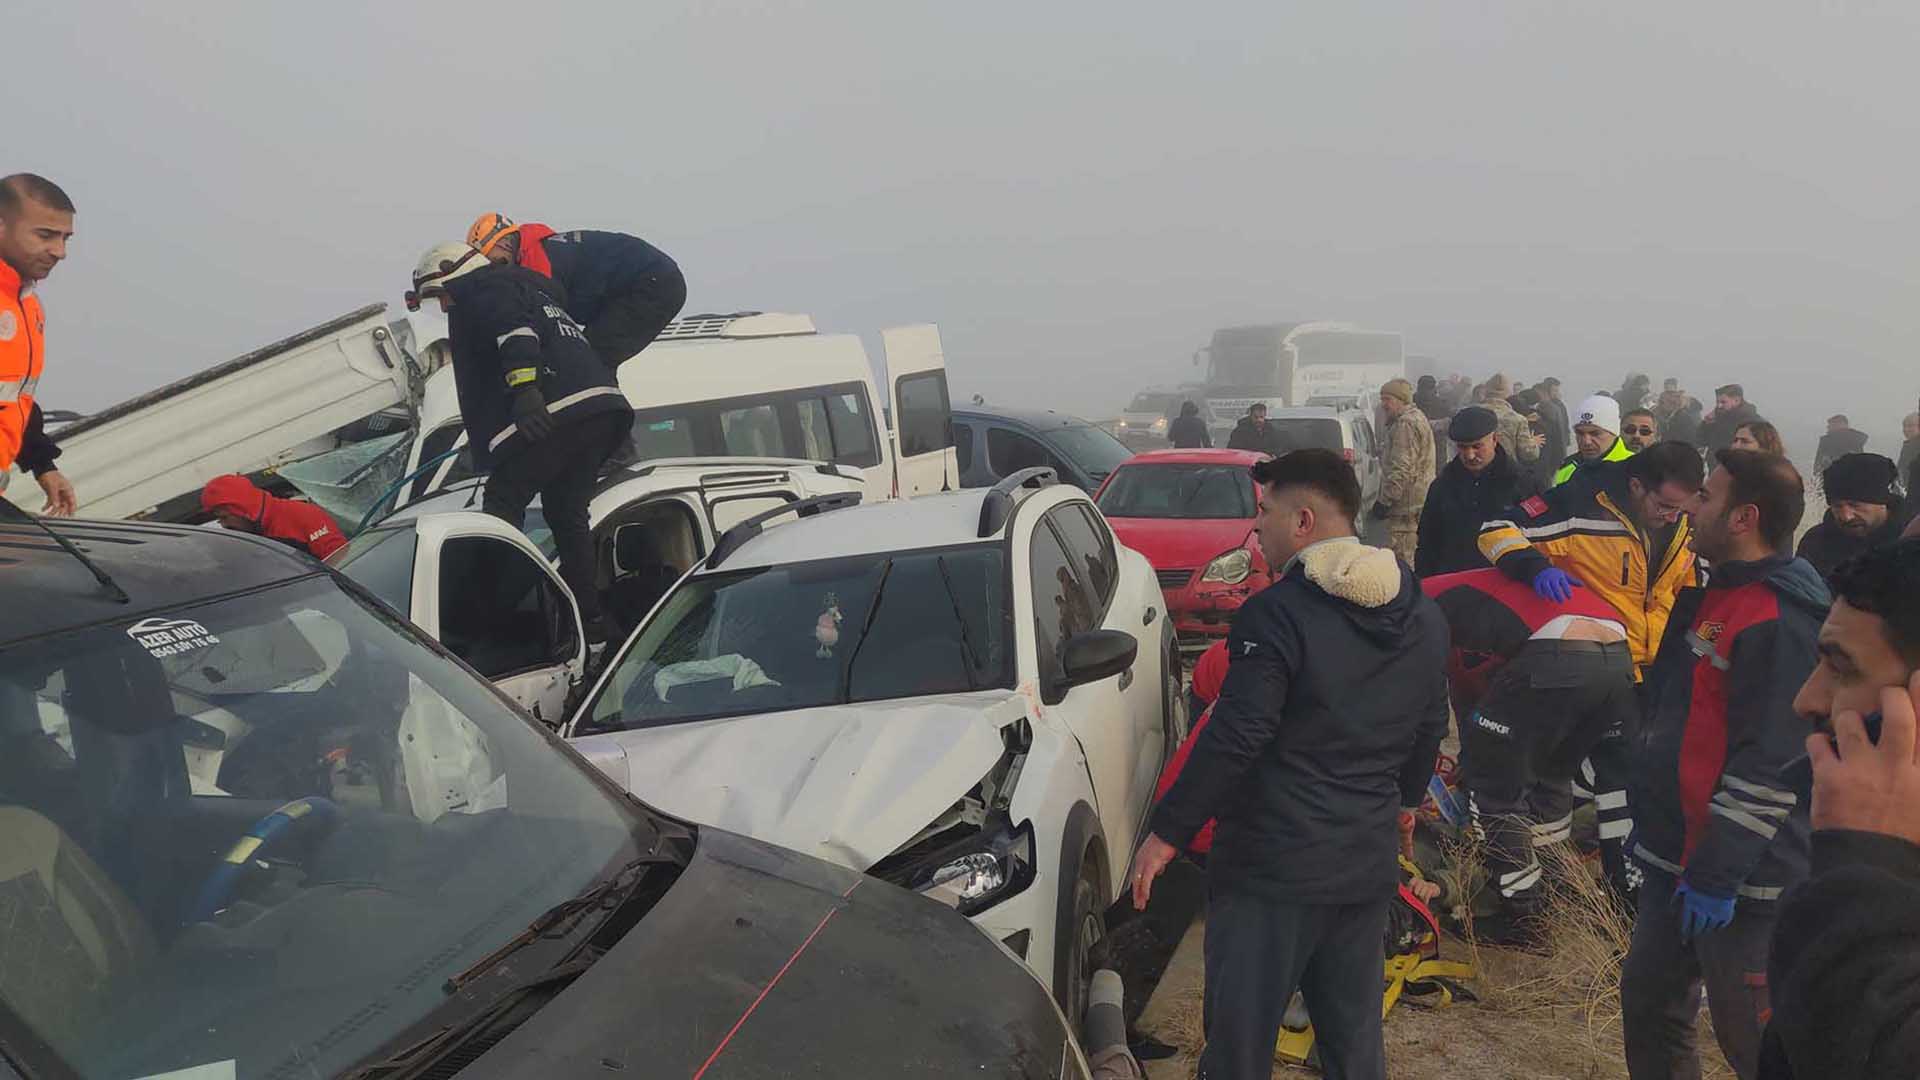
[[1080, 944]]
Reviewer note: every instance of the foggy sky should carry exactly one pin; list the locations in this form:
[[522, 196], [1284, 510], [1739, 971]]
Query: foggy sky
[[1076, 193]]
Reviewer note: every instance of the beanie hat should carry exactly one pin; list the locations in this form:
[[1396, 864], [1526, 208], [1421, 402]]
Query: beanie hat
[[1601, 411], [1398, 389], [1472, 424], [1866, 478]]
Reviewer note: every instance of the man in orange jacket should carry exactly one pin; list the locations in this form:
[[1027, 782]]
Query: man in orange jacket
[[36, 221]]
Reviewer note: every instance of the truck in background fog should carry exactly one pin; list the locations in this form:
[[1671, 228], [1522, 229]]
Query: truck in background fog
[[1291, 364]]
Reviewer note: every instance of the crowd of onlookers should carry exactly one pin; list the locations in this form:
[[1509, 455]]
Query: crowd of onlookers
[[1614, 601]]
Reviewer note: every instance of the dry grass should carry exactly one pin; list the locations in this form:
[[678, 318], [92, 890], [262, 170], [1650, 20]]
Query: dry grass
[[1585, 934], [1551, 1015]]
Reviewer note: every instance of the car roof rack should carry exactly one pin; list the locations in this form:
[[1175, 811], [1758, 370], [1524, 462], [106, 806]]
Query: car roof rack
[[735, 538], [998, 505]]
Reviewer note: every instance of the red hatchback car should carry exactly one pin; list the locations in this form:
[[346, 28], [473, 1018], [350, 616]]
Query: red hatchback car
[[1190, 512]]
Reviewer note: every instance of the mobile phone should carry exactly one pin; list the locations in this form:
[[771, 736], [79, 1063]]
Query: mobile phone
[[1799, 771]]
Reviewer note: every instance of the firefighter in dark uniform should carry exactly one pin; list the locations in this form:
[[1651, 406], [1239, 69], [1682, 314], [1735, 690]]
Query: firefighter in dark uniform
[[542, 413], [620, 288]]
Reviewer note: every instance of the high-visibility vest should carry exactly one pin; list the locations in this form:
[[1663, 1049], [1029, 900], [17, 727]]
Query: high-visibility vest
[[1617, 452], [23, 337]]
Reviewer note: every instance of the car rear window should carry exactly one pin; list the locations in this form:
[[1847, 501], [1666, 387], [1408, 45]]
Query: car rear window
[[1309, 433], [1178, 491]]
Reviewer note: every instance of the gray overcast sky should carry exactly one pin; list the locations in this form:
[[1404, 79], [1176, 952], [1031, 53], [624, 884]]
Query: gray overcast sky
[[1076, 193]]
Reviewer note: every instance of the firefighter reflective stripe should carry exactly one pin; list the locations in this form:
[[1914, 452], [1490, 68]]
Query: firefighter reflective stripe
[[511, 430], [1501, 547], [522, 376], [15, 389], [1640, 852], [1748, 817], [1760, 791], [1552, 832], [1751, 892], [1601, 526], [518, 331], [1756, 807], [1519, 881], [1610, 800]]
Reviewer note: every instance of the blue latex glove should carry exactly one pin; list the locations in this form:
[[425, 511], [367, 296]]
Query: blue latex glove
[[1701, 913], [1554, 584]]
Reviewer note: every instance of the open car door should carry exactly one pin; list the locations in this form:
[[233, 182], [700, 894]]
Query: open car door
[[922, 435], [485, 592]]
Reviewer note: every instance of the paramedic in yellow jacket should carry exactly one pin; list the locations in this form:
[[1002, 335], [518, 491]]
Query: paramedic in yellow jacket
[[1618, 529]]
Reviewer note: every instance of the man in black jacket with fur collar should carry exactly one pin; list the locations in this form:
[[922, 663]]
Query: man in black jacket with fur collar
[[1306, 778]]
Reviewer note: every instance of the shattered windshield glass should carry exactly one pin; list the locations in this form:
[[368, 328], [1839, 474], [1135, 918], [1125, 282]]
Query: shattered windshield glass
[[861, 628], [257, 836]]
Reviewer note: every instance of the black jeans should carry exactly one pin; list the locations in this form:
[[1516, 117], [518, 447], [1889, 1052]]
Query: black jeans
[[1545, 710], [1259, 951], [562, 469], [630, 321], [1660, 984]]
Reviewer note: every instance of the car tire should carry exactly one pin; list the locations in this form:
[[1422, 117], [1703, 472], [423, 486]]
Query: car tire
[[1079, 943]]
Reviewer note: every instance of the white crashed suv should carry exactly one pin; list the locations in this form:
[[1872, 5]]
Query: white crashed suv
[[968, 694]]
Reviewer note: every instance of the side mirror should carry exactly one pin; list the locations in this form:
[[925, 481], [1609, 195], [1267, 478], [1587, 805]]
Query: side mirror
[[1095, 655]]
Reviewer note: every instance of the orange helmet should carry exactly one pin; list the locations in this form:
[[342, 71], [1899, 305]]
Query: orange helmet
[[488, 230]]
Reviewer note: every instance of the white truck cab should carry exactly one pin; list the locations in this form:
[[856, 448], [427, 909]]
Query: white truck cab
[[756, 385], [492, 593]]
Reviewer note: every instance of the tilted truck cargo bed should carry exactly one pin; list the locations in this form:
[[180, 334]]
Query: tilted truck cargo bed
[[248, 414]]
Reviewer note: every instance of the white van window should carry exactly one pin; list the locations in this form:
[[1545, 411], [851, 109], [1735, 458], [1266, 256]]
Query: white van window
[[816, 430], [663, 437], [920, 408], [752, 432], [852, 429]]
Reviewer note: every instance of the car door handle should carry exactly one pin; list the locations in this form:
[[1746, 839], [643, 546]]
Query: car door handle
[[1152, 614], [1126, 678]]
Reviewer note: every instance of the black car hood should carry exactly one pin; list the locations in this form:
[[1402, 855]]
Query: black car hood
[[761, 962]]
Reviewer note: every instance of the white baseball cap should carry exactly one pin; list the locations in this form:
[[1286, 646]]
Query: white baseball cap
[[1601, 411]]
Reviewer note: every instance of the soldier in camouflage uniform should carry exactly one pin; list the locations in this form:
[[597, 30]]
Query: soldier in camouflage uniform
[[1409, 469]]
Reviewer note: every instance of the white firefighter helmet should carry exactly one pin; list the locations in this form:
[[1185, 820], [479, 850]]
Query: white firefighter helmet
[[441, 264]]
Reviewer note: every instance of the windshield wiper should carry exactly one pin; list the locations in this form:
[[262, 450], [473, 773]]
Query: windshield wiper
[[866, 624], [966, 644], [605, 893], [434, 1046], [113, 588]]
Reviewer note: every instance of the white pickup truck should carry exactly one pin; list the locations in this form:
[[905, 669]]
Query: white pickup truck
[[350, 378]]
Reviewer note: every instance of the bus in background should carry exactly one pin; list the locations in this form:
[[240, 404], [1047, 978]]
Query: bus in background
[[1340, 365], [1296, 364]]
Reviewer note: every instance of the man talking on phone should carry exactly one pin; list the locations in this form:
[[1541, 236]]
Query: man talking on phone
[[1845, 972]]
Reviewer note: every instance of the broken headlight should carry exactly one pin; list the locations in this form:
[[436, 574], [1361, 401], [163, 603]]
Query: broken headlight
[[979, 873], [1231, 568]]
